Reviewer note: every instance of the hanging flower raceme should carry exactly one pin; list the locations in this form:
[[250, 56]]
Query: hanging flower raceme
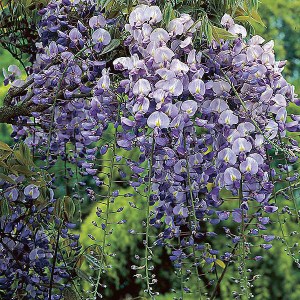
[[68, 80], [234, 91], [29, 261]]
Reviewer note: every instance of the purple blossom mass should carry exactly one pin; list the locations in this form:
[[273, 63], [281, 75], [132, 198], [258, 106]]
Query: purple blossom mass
[[186, 126]]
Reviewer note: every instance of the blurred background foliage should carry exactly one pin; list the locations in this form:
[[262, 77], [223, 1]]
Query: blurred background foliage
[[279, 278]]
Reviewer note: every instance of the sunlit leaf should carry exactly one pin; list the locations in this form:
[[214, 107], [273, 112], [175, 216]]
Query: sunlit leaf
[[220, 263], [221, 34], [5, 147]]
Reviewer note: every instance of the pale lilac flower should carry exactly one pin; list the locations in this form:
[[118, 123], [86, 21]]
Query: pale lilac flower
[[155, 14], [269, 46], [227, 117], [281, 115], [259, 140], [163, 54], [173, 86], [238, 30], [268, 58], [166, 74], [254, 52], [101, 36], [241, 145], [227, 21], [14, 70], [159, 35], [233, 135], [249, 166], [158, 119], [270, 208], [256, 40], [271, 129], [228, 156], [175, 27], [123, 63], [181, 211], [279, 101], [221, 86], [104, 81], [245, 129], [141, 106], [146, 33], [12, 194], [266, 95], [32, 191], [178, 67], [190, 107], [140, 15], [187, 22], [218, 105], [53, 49], [75, 35], [258, 158], [195, 160], [178, 122], [231, 175], [197, 87], [97, 21], [180, 167], [240, 61], [142, 87], [158, 95], [127, 122], [186, 42]]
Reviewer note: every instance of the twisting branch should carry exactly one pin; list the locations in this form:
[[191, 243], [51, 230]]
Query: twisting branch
[[9, 114]]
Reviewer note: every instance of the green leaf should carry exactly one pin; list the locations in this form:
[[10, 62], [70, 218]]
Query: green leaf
[[20, 158], [4, 207], [208, 32], [5, 147], [94, 261], [58, 207], [221, 34], [4, 165], [83, 275], [168, 13], [186, 9], [7, 178], [250, 20], [54, 285], [69, 294], [22, 170], [104, 3], [4, 155], [69, 208], [24, 149], [255, 15], [115, 43], [220, 263]]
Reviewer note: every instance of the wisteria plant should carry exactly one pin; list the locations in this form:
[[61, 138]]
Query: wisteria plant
[[169, 109]]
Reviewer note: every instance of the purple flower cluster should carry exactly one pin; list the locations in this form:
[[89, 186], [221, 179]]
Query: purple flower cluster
[[203, 121], [233, 93], [26, 242], [69, 79]]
